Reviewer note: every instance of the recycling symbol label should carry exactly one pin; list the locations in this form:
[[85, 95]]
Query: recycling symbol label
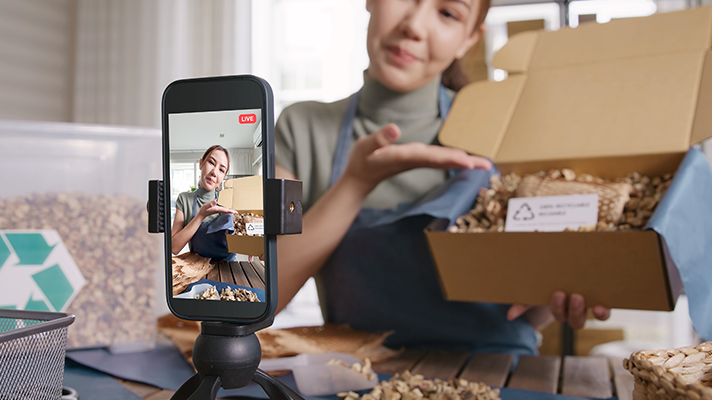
[[37, 271], [255, 228], [524, 213]]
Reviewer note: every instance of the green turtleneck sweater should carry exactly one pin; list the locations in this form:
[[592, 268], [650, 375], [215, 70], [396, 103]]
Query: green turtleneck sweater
[[185, 203], [306, 134]]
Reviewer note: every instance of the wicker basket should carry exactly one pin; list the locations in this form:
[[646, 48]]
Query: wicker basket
[[32, 349], [684, 373]]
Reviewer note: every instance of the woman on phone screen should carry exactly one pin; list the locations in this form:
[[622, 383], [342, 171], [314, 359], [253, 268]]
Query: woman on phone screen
[[199, 220]]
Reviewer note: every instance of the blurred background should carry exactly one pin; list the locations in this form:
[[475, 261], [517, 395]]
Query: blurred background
[[107, 62]]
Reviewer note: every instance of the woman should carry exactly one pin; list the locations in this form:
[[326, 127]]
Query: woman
[[196, 221], [374, 177]]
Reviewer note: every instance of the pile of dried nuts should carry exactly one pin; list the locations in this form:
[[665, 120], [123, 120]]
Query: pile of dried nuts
[[415, 387], [228, 294], [364, 369], [241, 221], [108, 240], [488, 214]]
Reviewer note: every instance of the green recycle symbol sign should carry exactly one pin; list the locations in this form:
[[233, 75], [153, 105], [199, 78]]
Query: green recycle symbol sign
[[37, 270]]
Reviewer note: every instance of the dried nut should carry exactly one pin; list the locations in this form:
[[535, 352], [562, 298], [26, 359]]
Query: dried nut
[[415, 387], [568, 174], [490, 209]]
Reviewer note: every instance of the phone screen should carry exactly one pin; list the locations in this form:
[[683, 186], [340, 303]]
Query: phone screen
[[215, 174]]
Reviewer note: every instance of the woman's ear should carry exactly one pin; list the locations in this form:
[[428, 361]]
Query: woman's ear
[[470, 41]]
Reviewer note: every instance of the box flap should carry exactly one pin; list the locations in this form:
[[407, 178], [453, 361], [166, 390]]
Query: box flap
[[680, 31], [242, 194], [480, 115], [516, 55], [599, 91], [702, 127]]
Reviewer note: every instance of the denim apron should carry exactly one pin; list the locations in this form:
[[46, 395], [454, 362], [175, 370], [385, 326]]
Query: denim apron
[[209, 240], [381, 276]]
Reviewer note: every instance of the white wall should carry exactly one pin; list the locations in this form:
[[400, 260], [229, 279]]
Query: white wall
[[36, 50]]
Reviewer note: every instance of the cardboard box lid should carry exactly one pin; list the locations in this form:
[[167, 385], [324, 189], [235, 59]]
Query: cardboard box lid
[[630, 88], [242, 194]]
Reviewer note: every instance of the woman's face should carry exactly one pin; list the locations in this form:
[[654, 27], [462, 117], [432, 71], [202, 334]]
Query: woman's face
[[213, 169], [410, 42]]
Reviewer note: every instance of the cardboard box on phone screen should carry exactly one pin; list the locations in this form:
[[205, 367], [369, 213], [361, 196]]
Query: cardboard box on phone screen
[[244, 195], [604, 99]]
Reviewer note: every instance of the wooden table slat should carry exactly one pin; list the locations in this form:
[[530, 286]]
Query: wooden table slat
[[251, 274], [623, 380], [586, 377], [139, 389], [537, 373], [240, 277], [260, 269], [225, 274], [441, 364], [489, 368], [400, 363], [214, 274]]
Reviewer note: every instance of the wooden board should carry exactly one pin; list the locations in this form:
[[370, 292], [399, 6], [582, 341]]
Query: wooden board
[[400, 363], [259, 267], [251, 275], [586, 377], [214, 274], [623, 380], [540, 374], [489, 368], [441, 364], [225, 274], [239, 274]]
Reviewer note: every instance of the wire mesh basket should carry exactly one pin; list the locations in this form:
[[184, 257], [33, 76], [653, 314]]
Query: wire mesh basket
[[32, 350]]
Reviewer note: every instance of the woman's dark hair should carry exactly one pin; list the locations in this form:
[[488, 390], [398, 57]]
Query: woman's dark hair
[[216, 147], [454, 77]]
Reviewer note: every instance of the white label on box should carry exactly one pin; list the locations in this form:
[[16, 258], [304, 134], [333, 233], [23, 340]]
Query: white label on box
[[255, 228], [551, 213]]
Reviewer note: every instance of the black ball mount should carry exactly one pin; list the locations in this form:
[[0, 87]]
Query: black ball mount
[[227, 355]]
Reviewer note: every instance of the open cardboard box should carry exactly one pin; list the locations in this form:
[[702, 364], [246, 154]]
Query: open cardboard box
[[244, 195], [604, 99]]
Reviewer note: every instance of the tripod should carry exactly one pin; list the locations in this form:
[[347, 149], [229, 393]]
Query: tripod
[[227, 355]]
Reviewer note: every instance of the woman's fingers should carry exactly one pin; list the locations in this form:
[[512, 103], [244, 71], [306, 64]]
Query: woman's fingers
[[577, 311], [516, 311], [418, 155], [382, 137], [558, 305], [573, 309], [601, 313]]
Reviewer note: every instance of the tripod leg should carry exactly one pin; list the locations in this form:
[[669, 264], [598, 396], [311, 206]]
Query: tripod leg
[[275, 389], [187, 388], [208, 388], [198, 389]]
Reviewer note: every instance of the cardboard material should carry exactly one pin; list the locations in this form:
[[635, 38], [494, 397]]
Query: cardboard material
[[244, 195], [605, 99]]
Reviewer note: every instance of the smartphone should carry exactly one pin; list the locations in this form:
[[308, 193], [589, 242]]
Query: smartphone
[[217, 157]]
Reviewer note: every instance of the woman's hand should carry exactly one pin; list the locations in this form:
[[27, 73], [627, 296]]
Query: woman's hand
[[375, 158], [572, 310], [211, 208]]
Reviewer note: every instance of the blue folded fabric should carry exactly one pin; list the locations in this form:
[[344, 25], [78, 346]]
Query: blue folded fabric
[[92, 384], [163, 367], [224, 222], [684, 219]]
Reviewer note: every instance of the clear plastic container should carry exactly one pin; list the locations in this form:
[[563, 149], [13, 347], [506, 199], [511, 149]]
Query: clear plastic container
[[73, 229]]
